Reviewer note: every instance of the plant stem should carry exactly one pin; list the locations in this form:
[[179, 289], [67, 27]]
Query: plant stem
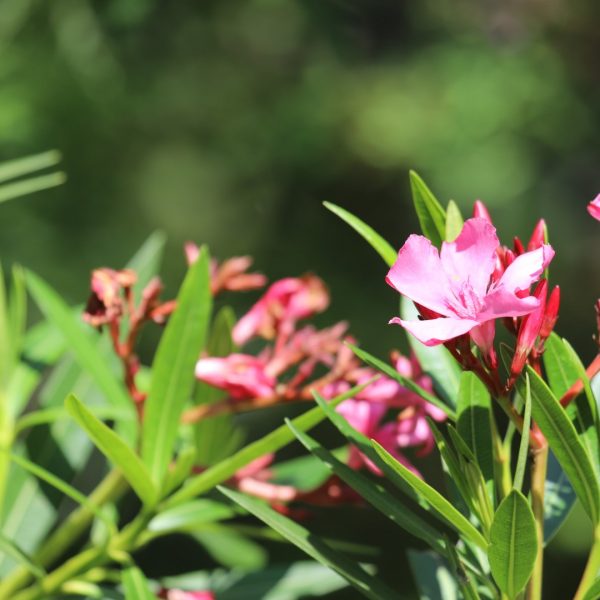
[[108, 490], [538, 482], [592, 567], [6, 441]]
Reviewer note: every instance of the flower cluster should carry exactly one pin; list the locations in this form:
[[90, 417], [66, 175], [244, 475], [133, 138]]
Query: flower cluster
[[464, 288], [298, 359]]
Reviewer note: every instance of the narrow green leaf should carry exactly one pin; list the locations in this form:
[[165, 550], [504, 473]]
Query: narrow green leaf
[[8, 191], [186, 459], [559, 498], [430, 212], [380, 245], [564, 441], [135, 585], [115, 449], [272, 442], [433, 577], [593, 592], [86, 353], [305, 473], [9, 547], [60, 485], [317, 549], [28, 164], [374, 494], [17, 310], [173, 367], [454, 221], [436, 361], [232, 549], [524, 446], [474, 411], [388, 370], [146, 261], [188, 516], [513, 544], [559, 368], [440, 505]]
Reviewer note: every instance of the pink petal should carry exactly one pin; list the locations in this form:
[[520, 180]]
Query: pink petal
[[472, 256], [526, 269], [418, 274], [437, 331], [503, 303], [483, 336], [594, 207]]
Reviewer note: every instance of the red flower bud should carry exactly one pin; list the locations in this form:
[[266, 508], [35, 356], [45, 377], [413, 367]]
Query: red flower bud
[[480, 211], [529, 330], [539, 237]]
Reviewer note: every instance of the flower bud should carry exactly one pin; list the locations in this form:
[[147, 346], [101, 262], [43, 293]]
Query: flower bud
[[480, 211], [539, 237], [529, 330]]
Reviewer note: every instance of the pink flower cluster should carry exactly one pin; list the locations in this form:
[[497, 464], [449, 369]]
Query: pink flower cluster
[[300, 358], [463, 289]]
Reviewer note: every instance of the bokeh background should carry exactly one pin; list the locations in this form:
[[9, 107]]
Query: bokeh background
[[229, 122]]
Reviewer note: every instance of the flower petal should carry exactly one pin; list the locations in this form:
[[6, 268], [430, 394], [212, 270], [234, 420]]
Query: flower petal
[[436, 331], [503, 303], [526, 269], [471, 257], [594, 207], [418, 274]]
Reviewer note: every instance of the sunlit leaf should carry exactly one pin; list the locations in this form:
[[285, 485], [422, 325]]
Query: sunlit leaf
[[135, 585], [513, 544], [430, 212]]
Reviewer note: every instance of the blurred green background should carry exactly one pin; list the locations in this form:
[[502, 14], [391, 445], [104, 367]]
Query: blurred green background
[[229, 122]]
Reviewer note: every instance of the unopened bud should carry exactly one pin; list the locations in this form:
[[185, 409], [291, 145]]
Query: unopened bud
[[551, 315], [518, 246], [529, 330], [480, 211], [539, 237]]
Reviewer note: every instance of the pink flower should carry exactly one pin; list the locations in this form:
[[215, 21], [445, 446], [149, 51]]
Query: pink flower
[[284, 303], [456, 284], [175, 594], [241, 375], [594, 207]]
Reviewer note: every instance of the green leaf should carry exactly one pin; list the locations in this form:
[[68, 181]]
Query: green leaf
[[436, 361], [430, 212], [454, 221], [86, 353], [60, 485], [9, 547], [231, 549], [188, 516], [564, 368], [593, 592], [146, 262], [115, 449], [186, 459], [513, 544], [564, 441], [272, 442], [441, 506], [559, 498], [304, 473], [380, 245], [317, 549], [135, 585], [432, 575], [474, 423], [374, 494], [388, 370], [524, 445], [173, 367], [8, 191], [12, 169]]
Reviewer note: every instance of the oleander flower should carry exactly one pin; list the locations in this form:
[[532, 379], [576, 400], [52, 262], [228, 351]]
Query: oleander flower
[[456, 285], [242, 376], [594, 207], [283, 304]]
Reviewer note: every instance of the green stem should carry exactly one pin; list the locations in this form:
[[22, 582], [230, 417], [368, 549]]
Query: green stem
[[538, 482], [6, 441], [110, 489], [592, 567], [502, 475]]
